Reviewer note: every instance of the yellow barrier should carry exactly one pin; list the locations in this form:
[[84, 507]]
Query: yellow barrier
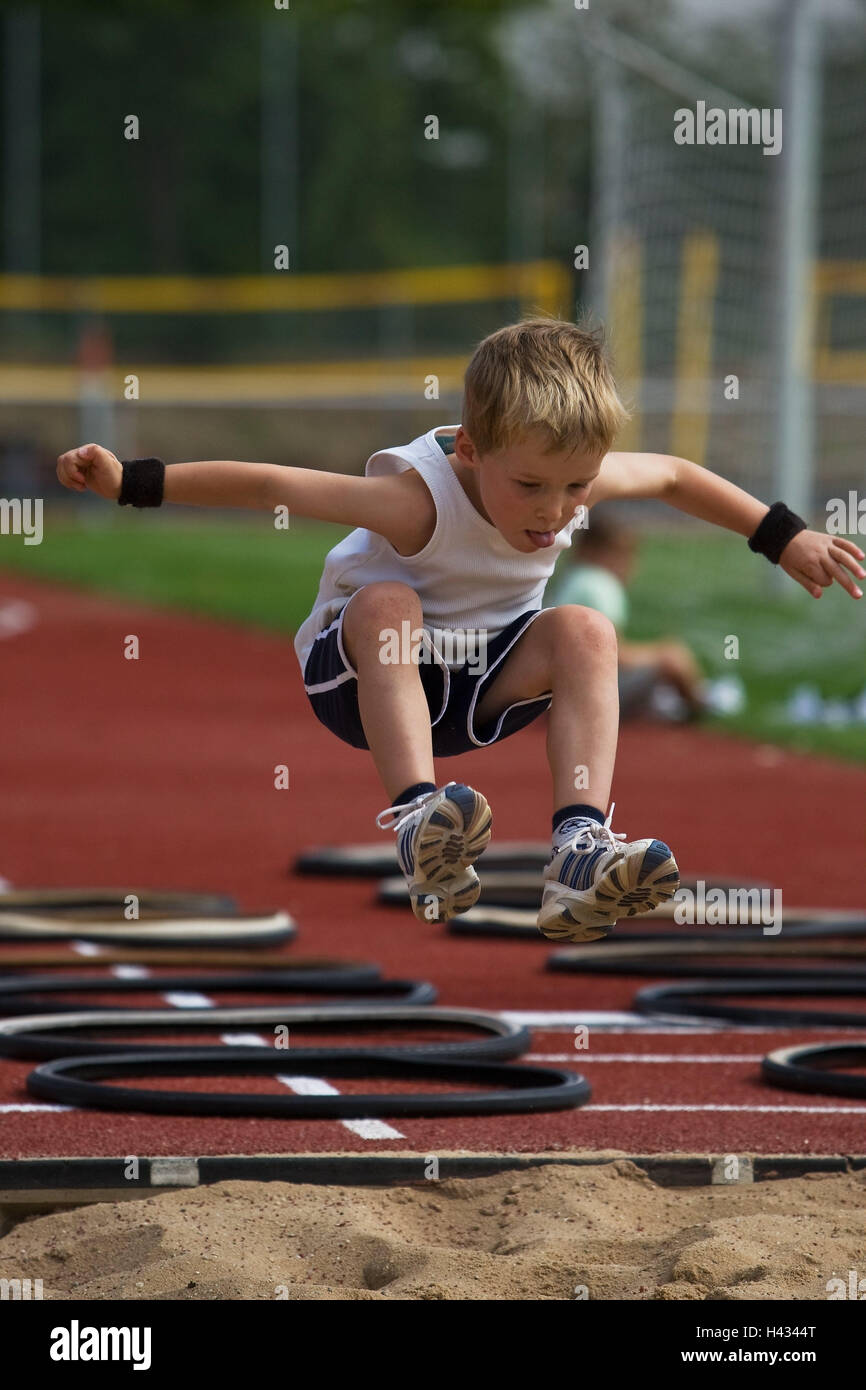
[[543, 285], [264, 383], [699, 277], [838, 365], [627, 331]]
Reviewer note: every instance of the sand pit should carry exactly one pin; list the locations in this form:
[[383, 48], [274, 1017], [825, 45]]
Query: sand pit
[[548, 1233]]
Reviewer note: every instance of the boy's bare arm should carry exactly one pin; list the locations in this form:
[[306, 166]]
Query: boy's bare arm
[[398, 507], [390, 505], [813, 558]]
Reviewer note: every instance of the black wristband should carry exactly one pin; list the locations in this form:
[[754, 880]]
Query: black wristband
[[779, 526], [142, 483]]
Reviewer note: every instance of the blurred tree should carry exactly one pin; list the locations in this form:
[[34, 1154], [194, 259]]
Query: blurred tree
[[184, 196]]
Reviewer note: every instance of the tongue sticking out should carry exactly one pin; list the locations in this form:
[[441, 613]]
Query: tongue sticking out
[[543, 538]]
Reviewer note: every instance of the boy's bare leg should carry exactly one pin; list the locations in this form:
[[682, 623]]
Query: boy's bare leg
[[391, 698], [436, 855], [571, 651]]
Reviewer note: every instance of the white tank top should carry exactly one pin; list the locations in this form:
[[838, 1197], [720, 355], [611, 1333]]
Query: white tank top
[[467, 576]]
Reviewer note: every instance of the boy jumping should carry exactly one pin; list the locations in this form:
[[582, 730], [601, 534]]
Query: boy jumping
[[457, 534]]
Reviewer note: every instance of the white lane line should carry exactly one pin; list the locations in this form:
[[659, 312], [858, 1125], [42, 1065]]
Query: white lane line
[[741, 1109], [317, 1086], [377, 1129], [365, 1129], [121, 972], [614, 1022], [553, 1018], [583, 1055], [610, 1022], [601, 1022], [310, 1086], [17, 1109], [371, 1129], [84, 948], [191, 1000]]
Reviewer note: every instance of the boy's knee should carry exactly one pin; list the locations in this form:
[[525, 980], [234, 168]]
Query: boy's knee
[[373, 613], [388, 598], [586, 626]]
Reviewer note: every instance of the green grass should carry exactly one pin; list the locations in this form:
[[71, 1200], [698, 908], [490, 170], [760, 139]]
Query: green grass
[[705, 588], [699, 586], [245, 570]]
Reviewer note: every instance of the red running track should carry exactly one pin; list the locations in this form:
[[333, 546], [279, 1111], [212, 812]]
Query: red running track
[[160, 772]]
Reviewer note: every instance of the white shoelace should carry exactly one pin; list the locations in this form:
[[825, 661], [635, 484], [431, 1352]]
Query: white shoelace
[[404, 812], [584, 837]]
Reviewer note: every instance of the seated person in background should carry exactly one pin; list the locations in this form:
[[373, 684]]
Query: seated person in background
[[660, 678]]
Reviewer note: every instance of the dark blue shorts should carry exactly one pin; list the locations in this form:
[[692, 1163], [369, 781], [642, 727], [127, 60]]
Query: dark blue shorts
[[331, 683]]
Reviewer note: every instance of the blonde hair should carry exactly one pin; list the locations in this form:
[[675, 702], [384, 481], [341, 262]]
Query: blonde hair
[[543, 374]]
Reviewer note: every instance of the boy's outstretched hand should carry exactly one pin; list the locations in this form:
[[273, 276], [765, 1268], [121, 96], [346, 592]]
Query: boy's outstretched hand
[[815, 559], [91, 468]]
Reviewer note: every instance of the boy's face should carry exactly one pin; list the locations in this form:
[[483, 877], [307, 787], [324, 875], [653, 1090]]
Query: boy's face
[[526, 494]]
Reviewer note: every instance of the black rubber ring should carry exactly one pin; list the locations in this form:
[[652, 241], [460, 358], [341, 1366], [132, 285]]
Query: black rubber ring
[[22, 994], [180, 957], [685, 1000], [460, 926], [532, 1088], [499, 888], [40, 1036], [498, 924], [380, 860], [110, 902], [512, 888], [249, 930], [571, 963], [803, 1068]]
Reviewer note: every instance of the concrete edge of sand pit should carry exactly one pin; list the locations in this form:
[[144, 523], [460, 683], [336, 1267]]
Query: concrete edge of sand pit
[[44, 1182]]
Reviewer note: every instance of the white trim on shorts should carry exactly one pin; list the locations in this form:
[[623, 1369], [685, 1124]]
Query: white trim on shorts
[[345, 675], [351, 674], [484, 743]]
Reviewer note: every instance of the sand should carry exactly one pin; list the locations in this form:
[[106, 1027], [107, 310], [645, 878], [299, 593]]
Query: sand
[[558, 1232]]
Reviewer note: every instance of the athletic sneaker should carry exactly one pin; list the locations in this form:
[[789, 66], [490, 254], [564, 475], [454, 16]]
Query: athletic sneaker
[[591, 880], [439, 836]]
